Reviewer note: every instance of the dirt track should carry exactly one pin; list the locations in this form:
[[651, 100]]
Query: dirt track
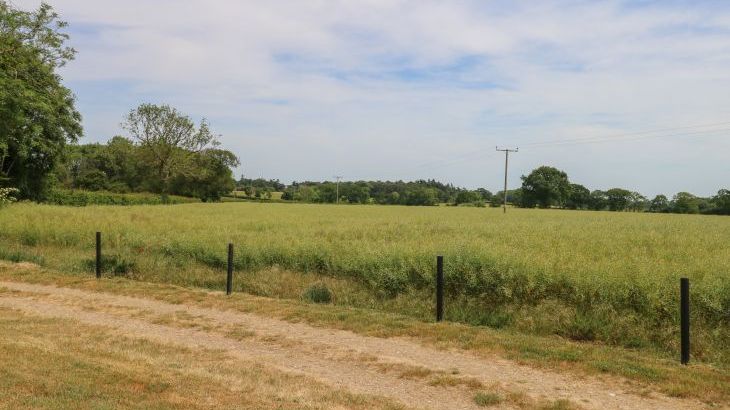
[[339, 358]]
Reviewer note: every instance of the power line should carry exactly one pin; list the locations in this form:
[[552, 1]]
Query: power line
[[633, 136], [689, 130], [479, 153]]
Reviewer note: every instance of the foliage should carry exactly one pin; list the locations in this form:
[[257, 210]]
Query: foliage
[[721, 202], [579, 197], [120, 166], [618, 199], [545, 187], [37, 114], [171, 143], [467, 197], [514, 196], [598, 200], [420, 192], [7, 196], [660, 203], [84, 198], [272, 185], [212, 176], [685, 203]]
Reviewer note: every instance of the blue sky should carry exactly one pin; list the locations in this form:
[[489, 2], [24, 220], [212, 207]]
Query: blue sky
[[424, 89]]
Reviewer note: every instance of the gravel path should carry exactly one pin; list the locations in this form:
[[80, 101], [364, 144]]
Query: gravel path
[[331, 356]]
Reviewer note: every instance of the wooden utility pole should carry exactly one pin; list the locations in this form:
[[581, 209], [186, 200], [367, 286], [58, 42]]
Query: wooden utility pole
[[506, 161], [338, 178]]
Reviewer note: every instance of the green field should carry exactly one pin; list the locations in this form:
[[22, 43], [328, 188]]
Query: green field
[[610, 277]]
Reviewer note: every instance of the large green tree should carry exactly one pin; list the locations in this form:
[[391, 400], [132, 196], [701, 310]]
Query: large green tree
[[685, 203], [169, 140], [579, 197], [722, 202], [660, 203], [37, 113], [545, 187], [618, 199], [598, 200]]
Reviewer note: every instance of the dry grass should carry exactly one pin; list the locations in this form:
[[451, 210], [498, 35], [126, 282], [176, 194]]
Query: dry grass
[[52, 363]]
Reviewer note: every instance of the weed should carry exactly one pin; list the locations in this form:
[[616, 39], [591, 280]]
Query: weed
[[317, 293]]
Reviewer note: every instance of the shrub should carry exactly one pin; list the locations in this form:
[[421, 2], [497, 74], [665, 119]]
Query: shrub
[[84, 198], [317, 292]]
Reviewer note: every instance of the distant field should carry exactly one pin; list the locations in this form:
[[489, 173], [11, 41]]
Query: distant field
[[612, 277]]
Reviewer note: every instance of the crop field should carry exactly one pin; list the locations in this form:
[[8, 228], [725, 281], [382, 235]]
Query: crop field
[[594, 276]]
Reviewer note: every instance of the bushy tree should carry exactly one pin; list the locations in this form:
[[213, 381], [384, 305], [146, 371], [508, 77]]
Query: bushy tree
[[618, 199], [721, 202], [514, 197], [422, 196], [169, 139], [578, 198], [466, 197], [637, 202], [660, 203], [485, 194], [685, 203], [210, 175], [545, 187], [598, 200], [355, 192], [37, 113]]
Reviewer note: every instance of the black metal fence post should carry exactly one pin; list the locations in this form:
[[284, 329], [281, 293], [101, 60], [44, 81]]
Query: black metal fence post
[[439, 288], [98, 255], [684, 312], [229, 277]]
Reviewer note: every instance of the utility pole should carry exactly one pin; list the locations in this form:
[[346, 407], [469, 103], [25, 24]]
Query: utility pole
[[338, 178], [506, 161]]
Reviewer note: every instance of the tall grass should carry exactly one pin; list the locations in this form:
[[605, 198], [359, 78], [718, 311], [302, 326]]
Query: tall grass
[[611, 277]]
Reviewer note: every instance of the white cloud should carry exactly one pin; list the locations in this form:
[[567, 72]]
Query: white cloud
[[308, 89]]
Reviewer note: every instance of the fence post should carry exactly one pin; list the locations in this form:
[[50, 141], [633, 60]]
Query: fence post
[[684, 313], [229, 277], [98, 255], [439, 288]]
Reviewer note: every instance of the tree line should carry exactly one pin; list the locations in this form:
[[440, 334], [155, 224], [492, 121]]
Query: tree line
[[420, 192], [544, 187], [549, 187]]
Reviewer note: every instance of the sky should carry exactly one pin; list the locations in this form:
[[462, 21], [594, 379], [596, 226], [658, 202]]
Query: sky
[[617, 94]]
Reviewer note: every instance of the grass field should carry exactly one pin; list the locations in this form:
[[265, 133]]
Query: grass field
[[610, 277]]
